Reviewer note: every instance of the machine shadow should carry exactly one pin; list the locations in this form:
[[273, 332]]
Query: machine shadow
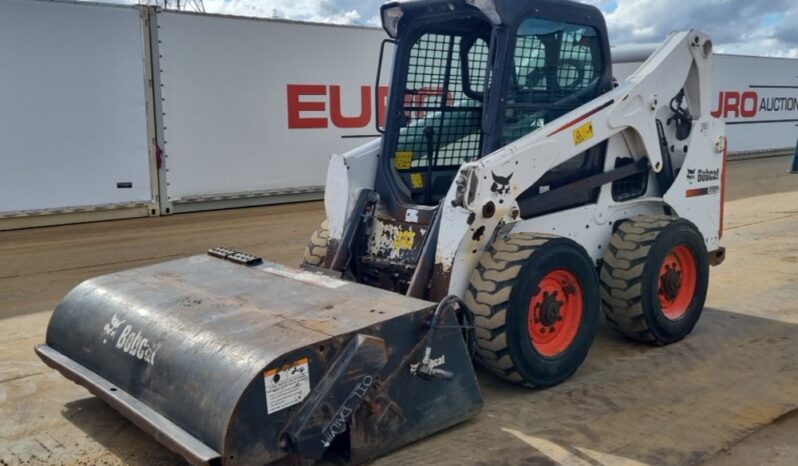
[[117, 435], [717, 329]]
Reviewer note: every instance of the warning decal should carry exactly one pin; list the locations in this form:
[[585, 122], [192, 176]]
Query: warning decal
[[403, 160], [287, 386], [583, 133]]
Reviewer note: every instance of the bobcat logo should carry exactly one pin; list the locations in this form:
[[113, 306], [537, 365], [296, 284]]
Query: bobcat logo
[[111, 328], [130, 341], [501, 184], [708, 175], [691, 174]]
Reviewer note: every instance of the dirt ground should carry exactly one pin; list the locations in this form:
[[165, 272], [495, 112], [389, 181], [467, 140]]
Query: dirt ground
[[726, 395]]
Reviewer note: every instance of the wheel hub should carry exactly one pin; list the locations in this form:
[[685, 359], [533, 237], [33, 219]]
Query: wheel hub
[[549, 309], [555, 312], [671, 282], [677, 282]]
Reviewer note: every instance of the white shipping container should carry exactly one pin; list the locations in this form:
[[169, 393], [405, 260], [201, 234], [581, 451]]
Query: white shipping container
[[73, 108], [245, 111], [254, 108]]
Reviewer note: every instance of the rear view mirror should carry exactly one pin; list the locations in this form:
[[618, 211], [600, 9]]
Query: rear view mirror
[[378, 106]]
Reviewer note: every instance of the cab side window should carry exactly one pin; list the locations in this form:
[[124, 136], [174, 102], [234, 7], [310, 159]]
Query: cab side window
[[557, 68]]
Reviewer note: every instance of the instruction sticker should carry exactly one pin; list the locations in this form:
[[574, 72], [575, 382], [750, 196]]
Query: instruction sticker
[[583, 133], [287, 386], [403, 160], [417, 180]]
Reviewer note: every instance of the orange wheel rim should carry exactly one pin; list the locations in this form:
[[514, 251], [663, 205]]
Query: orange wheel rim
[[555, 313], [678, 278]]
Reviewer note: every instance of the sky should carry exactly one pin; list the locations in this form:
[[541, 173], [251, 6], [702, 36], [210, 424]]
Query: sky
[[749, 27]]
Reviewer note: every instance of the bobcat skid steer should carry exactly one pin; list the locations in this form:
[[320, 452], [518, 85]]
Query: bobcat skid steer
[[517, 192]]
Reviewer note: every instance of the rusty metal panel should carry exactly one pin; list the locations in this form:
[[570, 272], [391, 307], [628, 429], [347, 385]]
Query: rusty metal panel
[[396, 241]]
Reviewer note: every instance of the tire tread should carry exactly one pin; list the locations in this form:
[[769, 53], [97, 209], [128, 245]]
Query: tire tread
[[621, 277], [316, 250], [488, 297]]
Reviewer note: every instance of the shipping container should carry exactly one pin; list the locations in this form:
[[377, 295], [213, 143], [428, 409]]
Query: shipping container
[[117, 111], [74, 120]]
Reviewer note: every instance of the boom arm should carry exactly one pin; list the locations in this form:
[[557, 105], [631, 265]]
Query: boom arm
[[489, 188]]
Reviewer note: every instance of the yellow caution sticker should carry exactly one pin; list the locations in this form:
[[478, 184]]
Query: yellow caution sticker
[[404, 240], [403, 160], [583, 133], [417, 180]]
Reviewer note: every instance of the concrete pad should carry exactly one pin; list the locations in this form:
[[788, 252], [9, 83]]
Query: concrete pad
[[760, 275], [629, 404], [773, 445], [674, 405]]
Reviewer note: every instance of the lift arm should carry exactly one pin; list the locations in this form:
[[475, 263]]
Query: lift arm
[[488, 189]]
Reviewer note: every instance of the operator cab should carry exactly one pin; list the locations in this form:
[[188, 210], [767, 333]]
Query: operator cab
[[471, 76]]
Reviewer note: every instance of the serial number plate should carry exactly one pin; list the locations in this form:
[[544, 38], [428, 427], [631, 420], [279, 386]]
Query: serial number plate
[[583, 133]]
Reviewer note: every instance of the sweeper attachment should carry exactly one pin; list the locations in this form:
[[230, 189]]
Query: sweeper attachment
[[224, 362], [513, 174]]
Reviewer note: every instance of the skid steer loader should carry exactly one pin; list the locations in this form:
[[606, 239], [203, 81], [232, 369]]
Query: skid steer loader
[[516, 192]]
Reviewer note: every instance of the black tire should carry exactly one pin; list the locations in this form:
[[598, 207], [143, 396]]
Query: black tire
[[316, 250], [500, 292], [631, 281]]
